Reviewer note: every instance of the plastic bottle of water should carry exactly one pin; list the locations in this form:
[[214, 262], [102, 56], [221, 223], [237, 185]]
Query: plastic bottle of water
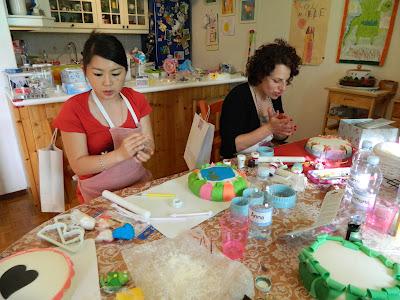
[[359, 156], [260, 217], [362, 153], [365, 181]]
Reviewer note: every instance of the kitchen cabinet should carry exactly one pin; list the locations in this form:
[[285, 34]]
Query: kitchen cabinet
[[126, 15], [74, 14], [123, 14], [354, 98]]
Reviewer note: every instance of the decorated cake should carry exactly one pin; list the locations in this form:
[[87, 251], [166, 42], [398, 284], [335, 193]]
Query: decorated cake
[[329, 147], [35, 274], [333, 268], [217, 182]]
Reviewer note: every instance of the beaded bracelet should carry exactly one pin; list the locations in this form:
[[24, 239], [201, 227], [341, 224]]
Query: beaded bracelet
[[101, 163]]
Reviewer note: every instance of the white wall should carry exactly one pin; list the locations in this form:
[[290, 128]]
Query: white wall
[[12, 177], [306, 99]]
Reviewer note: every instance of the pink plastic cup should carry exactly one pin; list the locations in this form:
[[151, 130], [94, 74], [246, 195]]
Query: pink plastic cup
[[234, 231], [381, 217]]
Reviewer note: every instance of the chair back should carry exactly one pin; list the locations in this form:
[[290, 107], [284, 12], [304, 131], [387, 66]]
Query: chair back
[[211, 112]]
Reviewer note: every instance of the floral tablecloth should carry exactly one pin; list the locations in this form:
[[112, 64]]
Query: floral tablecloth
[[275, 257]]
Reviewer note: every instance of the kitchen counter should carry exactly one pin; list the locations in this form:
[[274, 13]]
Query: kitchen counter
[[57, 97], [171, 119]]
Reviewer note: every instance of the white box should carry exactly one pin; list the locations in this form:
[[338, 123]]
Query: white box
[[356, 135]]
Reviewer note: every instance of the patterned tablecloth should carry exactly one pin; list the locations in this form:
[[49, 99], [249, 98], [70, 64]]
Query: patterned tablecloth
[[276, 257]]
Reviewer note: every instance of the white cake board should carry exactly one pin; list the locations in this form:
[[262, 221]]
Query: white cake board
[[162, 207], [85, 283]]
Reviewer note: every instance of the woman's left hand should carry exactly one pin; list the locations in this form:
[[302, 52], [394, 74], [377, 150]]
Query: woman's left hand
[[144, 154]]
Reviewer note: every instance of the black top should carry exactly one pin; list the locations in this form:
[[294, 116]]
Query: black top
[[239, 116]]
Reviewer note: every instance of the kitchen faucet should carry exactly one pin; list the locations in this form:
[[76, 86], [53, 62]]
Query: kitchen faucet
[[72, 45]]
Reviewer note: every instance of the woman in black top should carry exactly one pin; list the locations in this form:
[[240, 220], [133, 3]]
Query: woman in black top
[[252, 112]]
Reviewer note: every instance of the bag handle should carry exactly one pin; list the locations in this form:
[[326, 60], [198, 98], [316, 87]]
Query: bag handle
[[208, 113], [54, 137]]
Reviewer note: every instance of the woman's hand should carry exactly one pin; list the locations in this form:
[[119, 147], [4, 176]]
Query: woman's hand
[[133, 145], [280, 124]]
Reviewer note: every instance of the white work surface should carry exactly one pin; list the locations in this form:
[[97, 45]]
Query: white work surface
[[85, 283], [162, 207]]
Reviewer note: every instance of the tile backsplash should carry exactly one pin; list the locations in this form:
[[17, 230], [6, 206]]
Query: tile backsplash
[[55, 44]]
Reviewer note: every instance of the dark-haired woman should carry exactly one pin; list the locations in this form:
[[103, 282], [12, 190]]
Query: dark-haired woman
[[106, 132], [252, 112]]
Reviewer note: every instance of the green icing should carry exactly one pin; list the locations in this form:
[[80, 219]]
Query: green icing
[[387, 262], [239, 185], [195, 184], [217, 192], [393, 293], [396, 271], [350, 245], [378, 295], [317, 281]]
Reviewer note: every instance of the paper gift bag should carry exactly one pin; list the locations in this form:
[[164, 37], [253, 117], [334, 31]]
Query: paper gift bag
[[51, 177], [199, 143]]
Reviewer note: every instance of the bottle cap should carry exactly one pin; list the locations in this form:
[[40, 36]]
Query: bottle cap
[[263, 283], [366, 144], [373, 160]]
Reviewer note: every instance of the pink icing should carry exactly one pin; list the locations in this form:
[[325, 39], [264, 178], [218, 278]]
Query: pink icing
[[70, 265], [205, 191]]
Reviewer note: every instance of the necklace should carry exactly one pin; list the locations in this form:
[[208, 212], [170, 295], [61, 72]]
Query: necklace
[[259, 103]]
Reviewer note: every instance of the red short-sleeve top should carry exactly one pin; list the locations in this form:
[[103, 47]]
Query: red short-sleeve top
[[75, 116]]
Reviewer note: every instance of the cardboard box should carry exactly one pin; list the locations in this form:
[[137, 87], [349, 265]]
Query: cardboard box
[[356, 135]]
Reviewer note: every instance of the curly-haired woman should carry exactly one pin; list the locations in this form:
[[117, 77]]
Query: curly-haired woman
[[252, 112]]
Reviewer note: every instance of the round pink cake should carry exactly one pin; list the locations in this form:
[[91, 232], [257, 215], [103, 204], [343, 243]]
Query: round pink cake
[[329, 147]]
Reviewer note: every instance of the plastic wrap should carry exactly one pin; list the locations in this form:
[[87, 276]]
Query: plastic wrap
[[182, 268]]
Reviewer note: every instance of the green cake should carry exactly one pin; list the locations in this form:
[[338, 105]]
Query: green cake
[[217, 182], [333, 268]]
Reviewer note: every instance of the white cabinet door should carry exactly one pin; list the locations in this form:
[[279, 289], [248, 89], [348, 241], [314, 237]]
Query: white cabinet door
[[74, 13]]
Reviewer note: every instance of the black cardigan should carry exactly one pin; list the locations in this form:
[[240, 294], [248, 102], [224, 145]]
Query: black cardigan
[[239, 116]]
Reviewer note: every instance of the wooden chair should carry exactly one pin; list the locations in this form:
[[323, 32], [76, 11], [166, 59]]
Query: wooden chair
[[211, 111]]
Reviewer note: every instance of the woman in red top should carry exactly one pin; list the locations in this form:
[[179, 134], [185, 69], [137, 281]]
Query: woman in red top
[[106, 132]]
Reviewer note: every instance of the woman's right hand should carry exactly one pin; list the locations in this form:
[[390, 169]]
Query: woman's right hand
[[280, 124], [132, 144]]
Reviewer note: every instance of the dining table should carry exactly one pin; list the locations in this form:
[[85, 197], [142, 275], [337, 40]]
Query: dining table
[[275, 257]]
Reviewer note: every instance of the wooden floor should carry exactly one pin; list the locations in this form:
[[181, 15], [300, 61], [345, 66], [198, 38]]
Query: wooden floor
[[18, 216]]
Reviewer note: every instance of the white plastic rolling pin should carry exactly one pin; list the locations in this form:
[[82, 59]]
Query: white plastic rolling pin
[[289, 159], [125, 204]]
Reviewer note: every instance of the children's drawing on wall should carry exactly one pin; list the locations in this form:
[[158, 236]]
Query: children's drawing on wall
[[228, 25], [308, 29], [247, 11], [211, 30], [228, 7], [367, 27]]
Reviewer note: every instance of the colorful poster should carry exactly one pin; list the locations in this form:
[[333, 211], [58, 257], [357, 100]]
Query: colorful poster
[[247, 11], [228, 7], [228, 25], [308, 29], [367, 27], [212, 31]]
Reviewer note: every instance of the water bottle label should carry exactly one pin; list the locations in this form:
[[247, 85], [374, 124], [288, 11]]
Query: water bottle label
[[260, 215], [363, 201]]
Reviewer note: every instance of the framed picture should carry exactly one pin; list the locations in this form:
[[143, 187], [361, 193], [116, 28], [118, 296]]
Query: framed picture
[[228, 7], [247, 11], [366, 31]]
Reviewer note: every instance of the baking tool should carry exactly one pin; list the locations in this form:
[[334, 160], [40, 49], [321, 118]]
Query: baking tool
[[289, 159], [195, 214], [125, 204], [71, 237]]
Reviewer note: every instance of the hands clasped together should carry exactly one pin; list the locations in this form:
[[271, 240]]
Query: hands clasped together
[[137, 145], [280, 123]]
